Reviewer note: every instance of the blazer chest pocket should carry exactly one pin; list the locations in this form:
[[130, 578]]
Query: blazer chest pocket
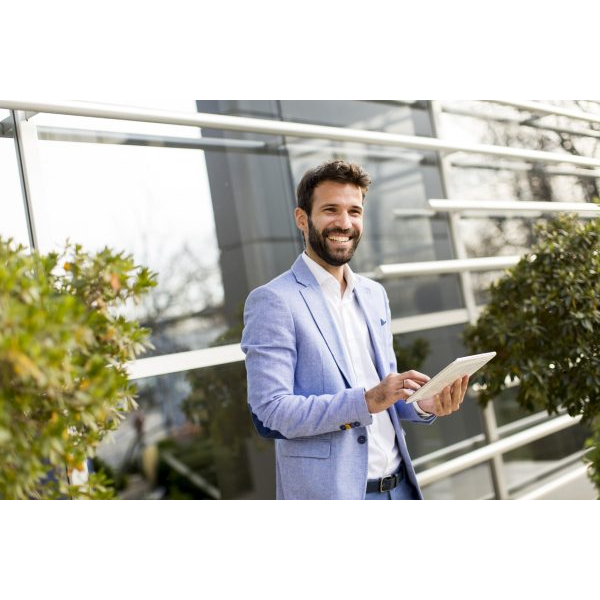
[[306, 448]]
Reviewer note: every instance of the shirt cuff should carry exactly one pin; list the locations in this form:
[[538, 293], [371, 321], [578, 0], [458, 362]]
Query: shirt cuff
[[420, 411]]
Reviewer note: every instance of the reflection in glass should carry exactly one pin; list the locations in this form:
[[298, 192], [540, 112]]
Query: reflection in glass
[[192, 438], [152, 202]]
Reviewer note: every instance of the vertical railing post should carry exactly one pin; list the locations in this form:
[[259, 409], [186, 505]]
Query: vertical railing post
[[26, 144], [490, 427]]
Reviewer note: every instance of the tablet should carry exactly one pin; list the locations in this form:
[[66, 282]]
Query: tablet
[[467, 365]]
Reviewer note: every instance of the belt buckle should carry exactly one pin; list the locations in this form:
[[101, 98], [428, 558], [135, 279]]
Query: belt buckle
[[382, 482]]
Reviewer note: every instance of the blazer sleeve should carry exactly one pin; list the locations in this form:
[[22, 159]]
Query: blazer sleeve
[[406, 412], [269, 342]]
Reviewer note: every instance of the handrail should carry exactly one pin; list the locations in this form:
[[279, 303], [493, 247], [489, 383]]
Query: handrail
[[203, 358], [466, 112], [503, 207], [438, 267], [504, 430], [503, 165], [70, 134], [184, 361], [285, 128], [466, 461], [565, 479], [549, 109]]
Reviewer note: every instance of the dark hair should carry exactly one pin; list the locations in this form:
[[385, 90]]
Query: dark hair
[[332, 170]]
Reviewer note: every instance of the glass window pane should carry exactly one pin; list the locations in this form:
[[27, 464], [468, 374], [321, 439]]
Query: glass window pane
[[251, 185], [192, 437], [153, 202]]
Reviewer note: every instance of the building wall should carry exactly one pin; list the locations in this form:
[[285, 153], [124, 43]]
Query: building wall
[[212, 212]]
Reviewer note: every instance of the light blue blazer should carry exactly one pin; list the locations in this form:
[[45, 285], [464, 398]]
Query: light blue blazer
[[301, 387]]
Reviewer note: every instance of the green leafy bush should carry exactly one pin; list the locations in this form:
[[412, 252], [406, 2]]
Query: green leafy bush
[[543, 320], [63, 347]]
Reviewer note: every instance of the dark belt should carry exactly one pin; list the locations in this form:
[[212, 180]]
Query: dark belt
[[386, 484]]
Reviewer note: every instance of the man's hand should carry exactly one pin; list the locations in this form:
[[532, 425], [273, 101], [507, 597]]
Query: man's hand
[[396, 386], [448, 401]]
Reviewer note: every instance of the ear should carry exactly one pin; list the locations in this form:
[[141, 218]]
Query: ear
[[301, 220]]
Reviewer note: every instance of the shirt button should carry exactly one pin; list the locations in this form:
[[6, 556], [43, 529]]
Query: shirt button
[[361, 439], [342, 427], [356, 424]]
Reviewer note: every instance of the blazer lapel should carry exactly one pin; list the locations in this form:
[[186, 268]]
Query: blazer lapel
[[372, 317], [317, 305]]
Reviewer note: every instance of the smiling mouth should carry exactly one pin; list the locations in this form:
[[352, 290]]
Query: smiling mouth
[[341, 239]]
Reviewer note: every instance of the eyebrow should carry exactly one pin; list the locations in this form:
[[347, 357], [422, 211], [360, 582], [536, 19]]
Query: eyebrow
[[354, 206]]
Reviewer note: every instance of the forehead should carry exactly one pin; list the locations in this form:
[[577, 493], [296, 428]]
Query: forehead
[[334, 192]]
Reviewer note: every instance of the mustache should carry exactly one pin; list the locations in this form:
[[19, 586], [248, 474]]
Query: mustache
[[351, 233]]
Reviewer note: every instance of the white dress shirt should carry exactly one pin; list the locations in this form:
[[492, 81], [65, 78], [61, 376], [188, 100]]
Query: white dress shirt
[[384, 455]]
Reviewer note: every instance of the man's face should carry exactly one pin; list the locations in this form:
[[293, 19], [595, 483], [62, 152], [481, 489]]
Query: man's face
[[335, 224]]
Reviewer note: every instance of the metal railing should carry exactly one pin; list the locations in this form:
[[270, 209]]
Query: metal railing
[[284, 128], [231, 353], [556, 484], [494, 449], [538, 108], [510, 207], [527, 122], [473, 441], [440, 267]]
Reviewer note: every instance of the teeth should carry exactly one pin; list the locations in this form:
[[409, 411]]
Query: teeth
[[338, 238]]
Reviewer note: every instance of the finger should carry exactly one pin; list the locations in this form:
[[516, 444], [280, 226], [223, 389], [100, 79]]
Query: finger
[[439, 411], [415, 376], [465, 385], [447, 401], [406, 394], [455, 394], [409, 384]]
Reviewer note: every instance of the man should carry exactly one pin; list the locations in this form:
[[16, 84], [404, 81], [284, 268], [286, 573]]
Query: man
[[321, 368]]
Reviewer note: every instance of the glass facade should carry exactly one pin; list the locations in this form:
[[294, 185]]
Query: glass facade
[[192, 438], [147, 198], [211, 211]]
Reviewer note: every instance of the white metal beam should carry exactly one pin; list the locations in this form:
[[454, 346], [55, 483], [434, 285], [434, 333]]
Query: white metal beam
[[549, 109], [484, 116], [499, 165], [220, 355], [429, 321], [282, 128], [498, 448], [556, 484], [184, 361], [437, 267], [502, 207]]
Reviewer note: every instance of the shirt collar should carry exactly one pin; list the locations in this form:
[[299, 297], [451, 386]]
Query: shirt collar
[[326, 279]]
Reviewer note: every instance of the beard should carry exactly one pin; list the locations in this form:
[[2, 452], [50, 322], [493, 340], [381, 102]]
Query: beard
[[336, 257]]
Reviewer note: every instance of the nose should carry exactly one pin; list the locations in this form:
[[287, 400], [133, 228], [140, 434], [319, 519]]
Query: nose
[[343, 221]]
